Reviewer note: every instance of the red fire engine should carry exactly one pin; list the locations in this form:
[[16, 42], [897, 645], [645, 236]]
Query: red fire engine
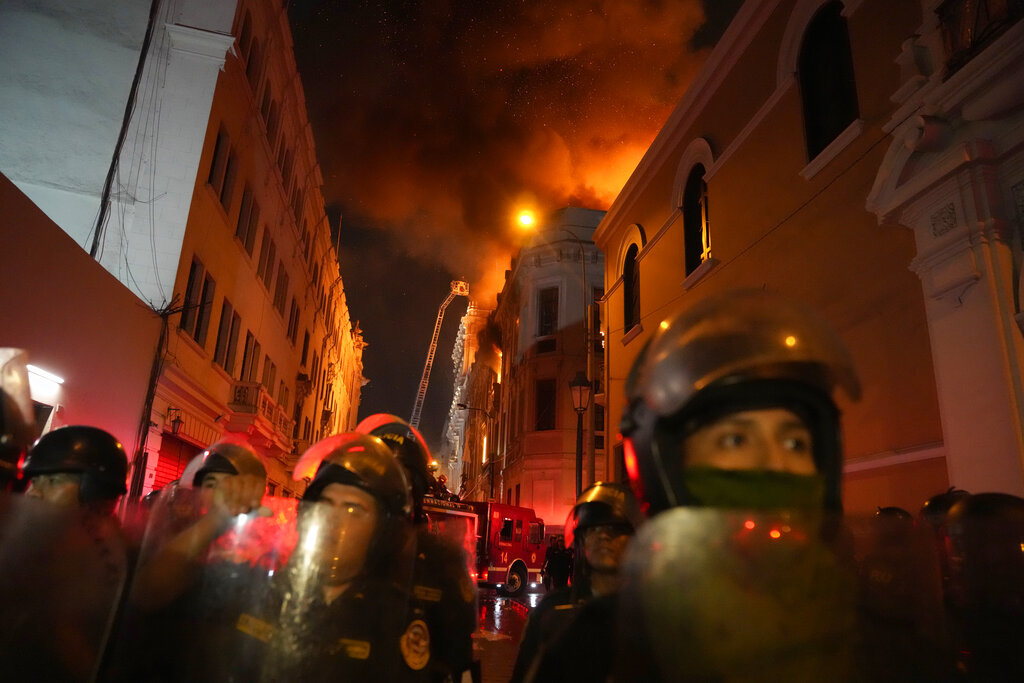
[[510, 546]]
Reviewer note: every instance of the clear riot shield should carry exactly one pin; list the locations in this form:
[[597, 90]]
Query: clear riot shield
[[62, 573], [731, 596], [444, 590], [294, 591]]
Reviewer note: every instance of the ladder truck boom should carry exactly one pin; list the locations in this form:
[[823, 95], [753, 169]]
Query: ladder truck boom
[[458, 288]]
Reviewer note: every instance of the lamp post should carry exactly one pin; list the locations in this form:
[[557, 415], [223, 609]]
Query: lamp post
[[463, 406], [580, 389]]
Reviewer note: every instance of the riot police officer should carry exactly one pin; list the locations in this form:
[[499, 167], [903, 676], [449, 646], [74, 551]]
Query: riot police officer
[[59, 598], [730, 408], [442, 591], [77, 466], [571, 632]]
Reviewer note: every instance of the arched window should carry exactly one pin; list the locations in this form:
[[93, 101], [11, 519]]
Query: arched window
[[631, 288], [696, 230], [825, 72]]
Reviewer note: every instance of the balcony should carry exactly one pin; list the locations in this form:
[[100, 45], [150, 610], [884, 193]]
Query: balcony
[[969, 26], [256, 413]]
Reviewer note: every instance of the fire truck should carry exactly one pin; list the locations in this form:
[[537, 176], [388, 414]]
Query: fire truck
[[510, 546]]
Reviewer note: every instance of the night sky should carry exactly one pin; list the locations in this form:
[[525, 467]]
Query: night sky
[[435, 120]]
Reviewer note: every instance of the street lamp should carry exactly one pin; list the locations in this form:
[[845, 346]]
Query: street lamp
[[580, 389]]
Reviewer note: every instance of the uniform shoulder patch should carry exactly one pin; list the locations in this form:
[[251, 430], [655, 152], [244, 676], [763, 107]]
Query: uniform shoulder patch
[[257, 628], [415, 644]]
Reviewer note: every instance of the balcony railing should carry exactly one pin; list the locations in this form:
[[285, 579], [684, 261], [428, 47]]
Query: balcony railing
[[252, 399], [969, 26]]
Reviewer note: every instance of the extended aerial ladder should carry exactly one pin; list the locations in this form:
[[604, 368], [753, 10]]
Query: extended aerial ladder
[[459, 288]]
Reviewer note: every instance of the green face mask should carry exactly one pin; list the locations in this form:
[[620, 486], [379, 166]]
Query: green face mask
[[755, 489]]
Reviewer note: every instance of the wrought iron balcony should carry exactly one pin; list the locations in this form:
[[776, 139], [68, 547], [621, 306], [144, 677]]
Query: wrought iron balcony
[[255, 411], [969, 26]]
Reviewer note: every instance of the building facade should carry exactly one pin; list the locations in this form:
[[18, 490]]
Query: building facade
[[541, 343], [864, 157], [211, 213]]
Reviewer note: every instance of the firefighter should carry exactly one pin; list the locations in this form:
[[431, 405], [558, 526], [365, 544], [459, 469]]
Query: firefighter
[[564, 637], [730, 408], [442, 590], [77, 467]]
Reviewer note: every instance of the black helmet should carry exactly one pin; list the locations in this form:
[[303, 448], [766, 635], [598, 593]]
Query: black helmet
[[230, 456], [358, 460], [603, 503], [89, 451], [743, 350], [408, 445], [936, 508]]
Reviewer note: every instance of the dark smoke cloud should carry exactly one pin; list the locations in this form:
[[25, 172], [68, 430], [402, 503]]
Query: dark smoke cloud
[[434, 119]]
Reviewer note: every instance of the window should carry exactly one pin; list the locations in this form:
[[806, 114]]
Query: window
[[253, 65], [547, 311], [273, 121], [519, 523], [631, 289], [825, 72], [508, 497], [250, 359], [305, 348], [222, 169], [269, 374], [195, 316], [227, 337], [696, 233], [248, 216], [596, 338], [265, 104], [297, 204], [506, 530], [271, 488], [517, 494], [282, 395], [245, 37], [268, 252], [293, 321], [536, 533], [598, 427], [281, 290], [544, 417]]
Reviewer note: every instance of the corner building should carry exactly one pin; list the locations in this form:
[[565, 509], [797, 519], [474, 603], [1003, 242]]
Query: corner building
[[264, 346], [866, 158]]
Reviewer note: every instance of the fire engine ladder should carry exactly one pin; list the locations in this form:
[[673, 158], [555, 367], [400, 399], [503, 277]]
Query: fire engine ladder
[[459, 288]]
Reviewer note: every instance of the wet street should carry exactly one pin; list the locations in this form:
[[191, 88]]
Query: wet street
[[501, 625]]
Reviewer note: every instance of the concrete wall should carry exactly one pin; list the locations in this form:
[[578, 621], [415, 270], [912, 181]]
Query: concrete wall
[[75, 320]]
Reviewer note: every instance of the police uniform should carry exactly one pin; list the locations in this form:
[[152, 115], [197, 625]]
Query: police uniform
[[444, 597], [545, 623]]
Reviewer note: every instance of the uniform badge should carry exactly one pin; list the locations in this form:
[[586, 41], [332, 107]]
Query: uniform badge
[[415, 645]]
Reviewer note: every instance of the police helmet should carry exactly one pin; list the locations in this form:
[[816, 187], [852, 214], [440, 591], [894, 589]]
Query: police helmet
[[603, 503], [91, 452], [743, 350], [936, 508], [409, 448], [230, 456], [357, 460]]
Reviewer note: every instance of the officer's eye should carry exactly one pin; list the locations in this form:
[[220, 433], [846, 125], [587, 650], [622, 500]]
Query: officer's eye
[[732, 440], [797, 444]]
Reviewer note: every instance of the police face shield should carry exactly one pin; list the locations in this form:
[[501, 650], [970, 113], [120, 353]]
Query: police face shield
[[735, 595], [62, 575], [289, 590], [17, 421]]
